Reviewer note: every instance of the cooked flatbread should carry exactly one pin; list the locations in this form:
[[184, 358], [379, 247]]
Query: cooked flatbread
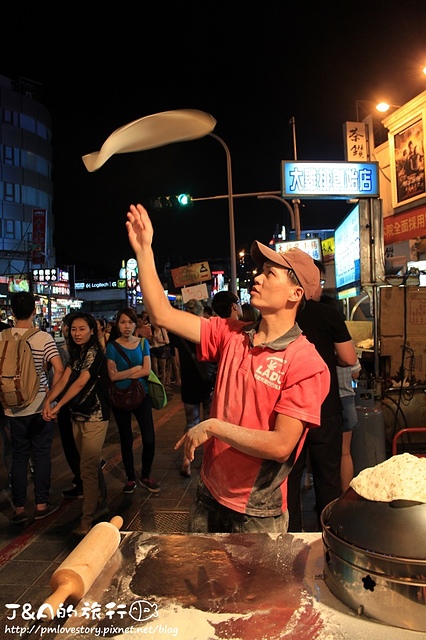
[[402, 477]]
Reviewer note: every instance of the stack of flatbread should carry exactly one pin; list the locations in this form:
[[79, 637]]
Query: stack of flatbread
[[402, 477], [365, 344]]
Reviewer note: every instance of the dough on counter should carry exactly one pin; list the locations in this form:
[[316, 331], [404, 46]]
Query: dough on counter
[[402, 477]]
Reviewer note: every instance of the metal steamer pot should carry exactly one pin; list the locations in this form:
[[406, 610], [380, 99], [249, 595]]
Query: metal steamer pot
[[375, 558]]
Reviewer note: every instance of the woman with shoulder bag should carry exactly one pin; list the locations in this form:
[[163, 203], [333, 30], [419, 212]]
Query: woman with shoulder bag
[[129, 360], [84, 387]]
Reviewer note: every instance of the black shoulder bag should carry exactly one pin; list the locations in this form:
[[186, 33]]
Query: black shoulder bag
[[126, 399], [205, 369]]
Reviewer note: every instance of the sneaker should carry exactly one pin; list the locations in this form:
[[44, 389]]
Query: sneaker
[[149, 484], [39, 514], [19, 518], [129, 487], [75, 492]]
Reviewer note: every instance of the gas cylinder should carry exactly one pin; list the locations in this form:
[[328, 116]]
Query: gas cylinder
[[368, 445]]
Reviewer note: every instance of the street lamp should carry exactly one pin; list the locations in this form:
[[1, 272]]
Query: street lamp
[[296, 202], [376, 133], [383, 107], [231, 213]]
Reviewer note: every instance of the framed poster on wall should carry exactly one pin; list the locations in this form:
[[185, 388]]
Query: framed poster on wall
[[409, 162]]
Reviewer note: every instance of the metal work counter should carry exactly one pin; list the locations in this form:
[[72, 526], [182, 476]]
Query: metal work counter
[[208, 587]]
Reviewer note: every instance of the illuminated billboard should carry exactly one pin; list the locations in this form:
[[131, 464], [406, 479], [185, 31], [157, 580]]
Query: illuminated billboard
[[347, 255], [308, 245], [335, 180], [358, 253]]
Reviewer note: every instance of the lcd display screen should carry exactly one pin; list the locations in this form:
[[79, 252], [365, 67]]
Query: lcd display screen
[[347, 255]]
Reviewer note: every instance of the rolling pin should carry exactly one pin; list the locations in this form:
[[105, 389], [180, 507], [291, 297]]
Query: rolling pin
[[74, 577]]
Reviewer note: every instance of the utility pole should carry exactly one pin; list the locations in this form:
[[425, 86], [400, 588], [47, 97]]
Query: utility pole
[[230, 212], [296, 202]]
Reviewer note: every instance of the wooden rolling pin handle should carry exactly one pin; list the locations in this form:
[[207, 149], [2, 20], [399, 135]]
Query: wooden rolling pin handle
[[117, 521], [68, 583]]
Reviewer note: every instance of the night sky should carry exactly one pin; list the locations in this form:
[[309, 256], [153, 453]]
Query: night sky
[[252, 66]]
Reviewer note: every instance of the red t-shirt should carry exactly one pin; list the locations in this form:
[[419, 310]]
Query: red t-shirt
[[253, 384]]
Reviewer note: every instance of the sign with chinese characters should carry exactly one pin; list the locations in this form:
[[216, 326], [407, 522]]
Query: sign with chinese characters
[[51, 274], [327, 246], [355, 141], [191, 274], [336, 180], [54, 289], [308, 245], [405, 226], [38, 253]]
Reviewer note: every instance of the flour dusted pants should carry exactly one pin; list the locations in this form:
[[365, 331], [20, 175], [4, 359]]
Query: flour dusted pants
[[89, 439]]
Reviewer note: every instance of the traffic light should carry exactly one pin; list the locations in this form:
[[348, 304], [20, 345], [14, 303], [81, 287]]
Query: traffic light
[[184, 199], [165, 202]]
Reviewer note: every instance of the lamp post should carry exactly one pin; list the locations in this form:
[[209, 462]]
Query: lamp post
[[376, 133], [382, 107], [296, 202], [231, 213], [285, 203]]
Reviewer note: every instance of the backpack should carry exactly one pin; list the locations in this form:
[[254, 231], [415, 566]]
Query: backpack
[[19, 380]]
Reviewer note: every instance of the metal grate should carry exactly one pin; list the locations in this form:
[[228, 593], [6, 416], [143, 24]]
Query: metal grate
[[172, 521], [162, 522]]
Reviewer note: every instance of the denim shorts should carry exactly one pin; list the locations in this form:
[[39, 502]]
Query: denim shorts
[[350, 415]]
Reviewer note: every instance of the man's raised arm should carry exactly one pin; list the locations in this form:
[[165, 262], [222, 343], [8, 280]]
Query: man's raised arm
[[161, 313]]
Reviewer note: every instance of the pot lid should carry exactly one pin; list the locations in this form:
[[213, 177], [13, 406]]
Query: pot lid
[[396, 528]]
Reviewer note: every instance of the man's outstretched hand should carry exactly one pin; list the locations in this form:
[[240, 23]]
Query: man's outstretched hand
[[193, 438], [139, 228]]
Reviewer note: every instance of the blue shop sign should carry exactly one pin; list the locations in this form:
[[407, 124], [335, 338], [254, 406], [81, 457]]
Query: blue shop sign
[[338, 180]]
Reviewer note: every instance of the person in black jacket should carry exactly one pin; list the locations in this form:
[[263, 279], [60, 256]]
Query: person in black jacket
[[324, 326], [197, 382]]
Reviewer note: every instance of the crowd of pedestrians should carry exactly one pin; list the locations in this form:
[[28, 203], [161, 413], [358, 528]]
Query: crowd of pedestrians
[[258, 383], [74, 393]]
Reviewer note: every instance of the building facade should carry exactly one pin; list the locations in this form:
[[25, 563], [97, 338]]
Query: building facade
[[26, 189]]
